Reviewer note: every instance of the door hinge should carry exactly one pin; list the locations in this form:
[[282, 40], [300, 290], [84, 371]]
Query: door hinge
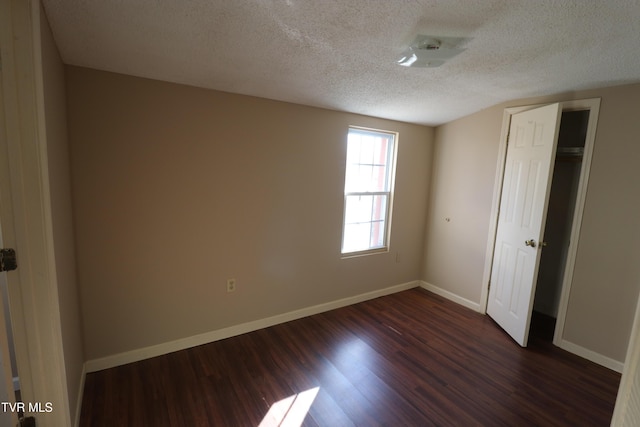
[[8, 261]]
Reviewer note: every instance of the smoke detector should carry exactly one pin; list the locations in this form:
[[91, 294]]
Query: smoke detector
[[431, 51]]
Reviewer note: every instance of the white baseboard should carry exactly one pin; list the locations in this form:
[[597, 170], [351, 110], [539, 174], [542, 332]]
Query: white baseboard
[[196, 340], [450, 296], [594, 357], [590, 355]]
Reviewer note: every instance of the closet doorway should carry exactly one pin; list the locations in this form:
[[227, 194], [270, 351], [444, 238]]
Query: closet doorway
[[560, 213], [571, 166]]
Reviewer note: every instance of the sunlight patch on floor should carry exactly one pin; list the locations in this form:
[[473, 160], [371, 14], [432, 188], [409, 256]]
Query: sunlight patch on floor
[[290, 412]]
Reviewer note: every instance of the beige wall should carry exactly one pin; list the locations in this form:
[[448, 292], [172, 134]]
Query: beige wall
[[177, 189], [61, 210], [605, 284], [464, 167]]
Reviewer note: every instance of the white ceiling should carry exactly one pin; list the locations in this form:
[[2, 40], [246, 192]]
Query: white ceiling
[[340, 54]]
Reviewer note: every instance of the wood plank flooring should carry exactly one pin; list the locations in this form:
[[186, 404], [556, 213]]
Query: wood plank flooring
[[408, 359]]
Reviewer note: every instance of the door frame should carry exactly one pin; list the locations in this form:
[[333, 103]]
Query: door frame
[[593, 106], [26, 215], [526, 187], [625, 408]]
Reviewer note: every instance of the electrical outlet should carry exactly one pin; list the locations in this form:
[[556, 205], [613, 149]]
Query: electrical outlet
[[231, 285]]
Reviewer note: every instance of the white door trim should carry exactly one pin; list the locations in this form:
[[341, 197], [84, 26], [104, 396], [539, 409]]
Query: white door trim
[[593, 105], [26, 215], [626, 410], [7, 388]]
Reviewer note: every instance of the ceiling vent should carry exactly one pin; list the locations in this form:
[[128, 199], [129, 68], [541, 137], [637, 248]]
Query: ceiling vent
[[431, 51]]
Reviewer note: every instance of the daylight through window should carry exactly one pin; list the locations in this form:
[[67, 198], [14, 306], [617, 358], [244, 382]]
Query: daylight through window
[[367, 190]]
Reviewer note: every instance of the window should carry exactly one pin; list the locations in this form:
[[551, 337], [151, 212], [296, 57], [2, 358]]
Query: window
[[367, 190]]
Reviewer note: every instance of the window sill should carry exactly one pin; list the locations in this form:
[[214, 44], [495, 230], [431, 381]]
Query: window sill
[[364, 253]]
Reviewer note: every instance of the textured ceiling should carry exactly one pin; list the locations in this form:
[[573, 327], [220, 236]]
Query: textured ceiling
[[340, 54]]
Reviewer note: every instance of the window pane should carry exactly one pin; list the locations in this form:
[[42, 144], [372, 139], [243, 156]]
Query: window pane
[[367, 162], [365, 222], [359, 209], [367, 146], [353, 148], [378, 181], [368, 171], [356, 237], [377, 234]]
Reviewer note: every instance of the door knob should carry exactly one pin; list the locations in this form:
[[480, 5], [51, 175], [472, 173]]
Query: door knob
[[531, 243]]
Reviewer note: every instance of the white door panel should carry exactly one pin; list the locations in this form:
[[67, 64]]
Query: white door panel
[[523, 204]]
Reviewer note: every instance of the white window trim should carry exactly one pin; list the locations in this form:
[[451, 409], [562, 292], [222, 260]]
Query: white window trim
[[389, 210]]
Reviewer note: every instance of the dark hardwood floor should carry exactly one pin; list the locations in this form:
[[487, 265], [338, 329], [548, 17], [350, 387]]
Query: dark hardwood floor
[[408, 359]]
